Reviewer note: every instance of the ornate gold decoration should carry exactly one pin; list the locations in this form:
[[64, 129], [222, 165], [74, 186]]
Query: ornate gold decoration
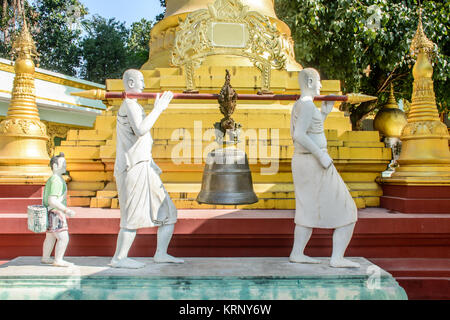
[[420, 42], [425, 156], [55, 130], [227, 101], [21, 127], [206, 32]]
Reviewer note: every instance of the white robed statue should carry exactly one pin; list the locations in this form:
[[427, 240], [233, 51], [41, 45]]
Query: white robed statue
[[144, 202], [322, 198]]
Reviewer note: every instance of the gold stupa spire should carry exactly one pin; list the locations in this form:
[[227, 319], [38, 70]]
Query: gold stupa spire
[[392, 102], [23, 137], [425, 157]]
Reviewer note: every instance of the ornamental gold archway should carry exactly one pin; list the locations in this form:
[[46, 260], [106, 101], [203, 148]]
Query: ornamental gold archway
[[227, 27]]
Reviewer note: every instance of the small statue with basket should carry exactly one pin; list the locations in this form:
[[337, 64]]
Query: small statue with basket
[[51, 216]]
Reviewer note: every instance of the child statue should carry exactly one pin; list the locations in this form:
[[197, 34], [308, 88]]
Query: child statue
[[322, 198], [55, 199], [144, 202]]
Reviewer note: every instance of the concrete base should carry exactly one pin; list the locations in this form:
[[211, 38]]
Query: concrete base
[[198, 279]]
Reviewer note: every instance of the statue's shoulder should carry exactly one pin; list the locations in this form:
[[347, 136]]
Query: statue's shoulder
[[306, 105], [131, 104]]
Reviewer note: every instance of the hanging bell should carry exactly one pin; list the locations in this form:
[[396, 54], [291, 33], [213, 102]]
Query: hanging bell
[[227, 179]]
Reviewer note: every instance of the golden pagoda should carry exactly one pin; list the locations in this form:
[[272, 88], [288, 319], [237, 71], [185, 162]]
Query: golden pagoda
[[190, 49], [23, 137], [425, 156]]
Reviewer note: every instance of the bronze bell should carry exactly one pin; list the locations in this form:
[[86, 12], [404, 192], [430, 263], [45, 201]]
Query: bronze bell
[[227, 179]]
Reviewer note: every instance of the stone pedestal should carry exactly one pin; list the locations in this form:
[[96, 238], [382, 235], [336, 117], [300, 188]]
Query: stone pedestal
[[197, 279]]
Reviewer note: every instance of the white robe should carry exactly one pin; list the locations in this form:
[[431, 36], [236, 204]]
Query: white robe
[[322, 197], [144, 202]]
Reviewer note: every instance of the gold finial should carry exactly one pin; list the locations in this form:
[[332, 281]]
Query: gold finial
[[392, 102], [95, 94], [356, 98], [24, 46], [420, 42]]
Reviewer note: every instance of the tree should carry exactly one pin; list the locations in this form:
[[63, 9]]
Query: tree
[[58, 46], [366, 44], [12, 13], [138, 43], [104, 49], [160, 16], [56, 40]]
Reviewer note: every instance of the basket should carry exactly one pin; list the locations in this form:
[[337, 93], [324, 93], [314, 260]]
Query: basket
[[37, 219]]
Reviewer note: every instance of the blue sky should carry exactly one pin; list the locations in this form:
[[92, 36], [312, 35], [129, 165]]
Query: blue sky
[[128, 11]]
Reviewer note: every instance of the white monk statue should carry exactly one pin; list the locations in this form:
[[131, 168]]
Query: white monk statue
[[55, 199], [144, 202], [322, 198]]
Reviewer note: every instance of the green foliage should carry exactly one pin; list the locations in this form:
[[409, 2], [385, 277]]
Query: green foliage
[[138, 43], [56, 40], [160, 16], [10, 19], [104, 49], [334, 37]]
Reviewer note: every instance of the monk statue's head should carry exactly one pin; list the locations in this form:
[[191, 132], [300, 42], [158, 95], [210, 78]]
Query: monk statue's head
[[309, 81], [133, 81]]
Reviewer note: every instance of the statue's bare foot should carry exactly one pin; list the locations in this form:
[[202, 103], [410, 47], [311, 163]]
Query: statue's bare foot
[[301, 258], [63, 263], [343, 263], [127, 263], [47, 261], [165, 258]]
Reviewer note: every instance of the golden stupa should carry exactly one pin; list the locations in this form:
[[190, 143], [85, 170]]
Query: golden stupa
[[425, 156], [24, 157], [390, 120], [190, 49]]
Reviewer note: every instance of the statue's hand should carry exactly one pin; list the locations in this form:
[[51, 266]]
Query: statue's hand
[[162, 102], [69, 212], [327, 107], [325, 160]]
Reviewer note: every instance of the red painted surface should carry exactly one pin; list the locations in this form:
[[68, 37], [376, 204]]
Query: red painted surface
[[17, 204], [421, 278], [234, 233], [3, 262], [17, 198], [418, 192], [416, 199], [24, 191], [425, 288]]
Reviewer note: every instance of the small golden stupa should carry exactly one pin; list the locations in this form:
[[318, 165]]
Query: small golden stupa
[[425, 156], [23, 137], [390, 120]]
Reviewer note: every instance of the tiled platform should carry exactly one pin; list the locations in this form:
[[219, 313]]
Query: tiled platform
[[197, 279]]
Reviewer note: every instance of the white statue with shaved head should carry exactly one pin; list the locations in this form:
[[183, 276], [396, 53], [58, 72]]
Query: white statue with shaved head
[[322, 198], [144, 202]]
